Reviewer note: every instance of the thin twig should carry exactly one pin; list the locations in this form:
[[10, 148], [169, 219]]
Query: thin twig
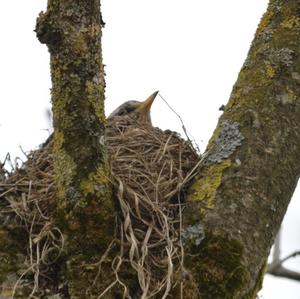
[[182, 124]]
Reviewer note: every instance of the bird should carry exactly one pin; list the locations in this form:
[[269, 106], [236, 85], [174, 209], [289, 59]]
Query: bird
[[138, 111], [148, 153]]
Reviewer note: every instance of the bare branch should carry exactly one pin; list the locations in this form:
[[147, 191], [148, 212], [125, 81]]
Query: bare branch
[[281, 271], [276, 268]]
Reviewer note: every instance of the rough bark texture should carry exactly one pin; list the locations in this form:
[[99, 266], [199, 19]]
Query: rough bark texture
[[85, 213], [236, 205], [252, 164]]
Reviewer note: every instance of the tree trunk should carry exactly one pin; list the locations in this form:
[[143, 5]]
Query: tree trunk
[[252, 164], [85, 212], [234, 208]]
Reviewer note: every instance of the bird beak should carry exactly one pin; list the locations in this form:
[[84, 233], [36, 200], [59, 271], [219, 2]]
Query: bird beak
[[146, 105]]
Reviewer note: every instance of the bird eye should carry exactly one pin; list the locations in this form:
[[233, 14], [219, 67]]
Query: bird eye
[[129, 109], [125, 110]]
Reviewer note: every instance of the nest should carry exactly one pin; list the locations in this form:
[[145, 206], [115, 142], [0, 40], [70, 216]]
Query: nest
[[151, 170], [27, 199]]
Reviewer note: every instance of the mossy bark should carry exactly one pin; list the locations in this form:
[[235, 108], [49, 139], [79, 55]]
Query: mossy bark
[[235, 207], [85, 211], [241, 206]]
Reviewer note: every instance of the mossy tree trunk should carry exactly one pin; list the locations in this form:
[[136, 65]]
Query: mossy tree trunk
[[85, 212], [237, 203], [252, 164]]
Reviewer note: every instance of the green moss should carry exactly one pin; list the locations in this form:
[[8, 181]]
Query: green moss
[[206, 186], [66, 91], [265, 21], [92, 90], [290, 22], [96, 182], [219, 268], [291, 94], [259, 282], [64, 165], [270, 71], [79, 45]]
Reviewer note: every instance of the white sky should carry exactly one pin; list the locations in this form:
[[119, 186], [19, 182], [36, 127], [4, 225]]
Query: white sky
[[190, 50]]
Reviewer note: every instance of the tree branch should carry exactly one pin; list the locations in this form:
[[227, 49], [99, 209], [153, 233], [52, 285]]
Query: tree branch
[[85, 211], [281, 271], [250, 174], [276, 268]]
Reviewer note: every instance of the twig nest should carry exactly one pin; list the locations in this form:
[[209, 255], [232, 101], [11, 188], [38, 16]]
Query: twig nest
[[151, 170], [150, 161]]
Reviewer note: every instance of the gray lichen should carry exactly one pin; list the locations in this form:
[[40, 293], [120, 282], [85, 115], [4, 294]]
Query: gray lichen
[[228, 140], [281, 57], [277, 58], [267, 34], [286, 98], [193, 233]]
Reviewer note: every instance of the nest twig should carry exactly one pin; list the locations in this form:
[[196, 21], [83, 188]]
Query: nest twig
[[29, 195], [151, 170]]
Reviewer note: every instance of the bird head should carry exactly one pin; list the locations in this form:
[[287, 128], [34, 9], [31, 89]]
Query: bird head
[[140, 111]]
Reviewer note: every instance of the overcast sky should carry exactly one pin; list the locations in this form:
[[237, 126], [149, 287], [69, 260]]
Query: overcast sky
[[190, 50]]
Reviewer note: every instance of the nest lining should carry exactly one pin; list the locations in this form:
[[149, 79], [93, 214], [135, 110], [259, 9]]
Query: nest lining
[[151, 170]]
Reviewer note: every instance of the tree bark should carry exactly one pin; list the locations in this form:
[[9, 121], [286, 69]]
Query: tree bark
[[85, 212], [233, 210], [252, 164]]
